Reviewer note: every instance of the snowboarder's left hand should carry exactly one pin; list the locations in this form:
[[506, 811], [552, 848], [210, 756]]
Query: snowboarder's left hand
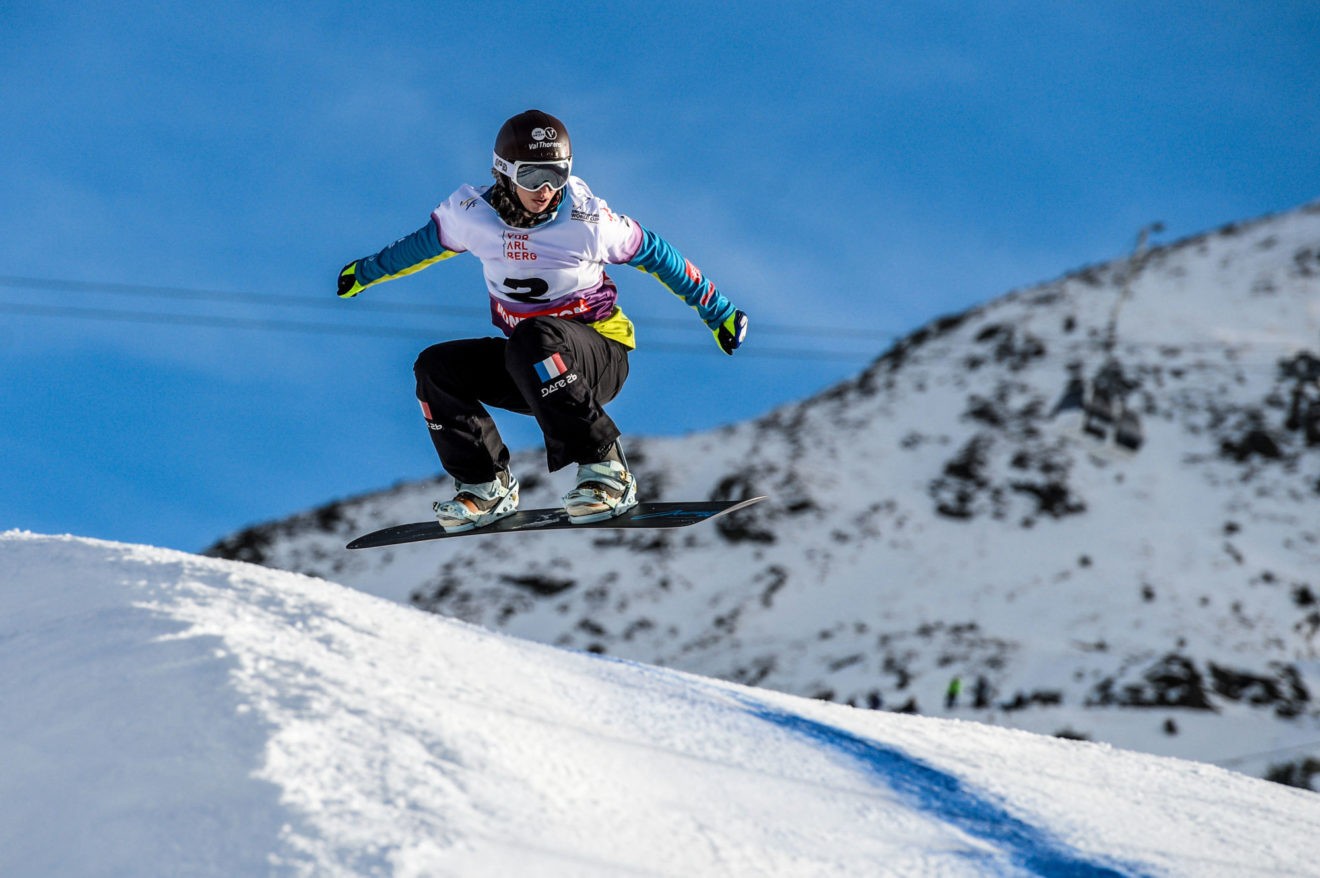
[[348, 282], [730, 334]]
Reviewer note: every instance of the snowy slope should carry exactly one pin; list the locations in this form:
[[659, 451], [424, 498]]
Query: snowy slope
[[928, 520], [170, 714]]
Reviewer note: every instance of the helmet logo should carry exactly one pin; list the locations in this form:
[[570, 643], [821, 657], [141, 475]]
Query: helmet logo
[[544, 134]]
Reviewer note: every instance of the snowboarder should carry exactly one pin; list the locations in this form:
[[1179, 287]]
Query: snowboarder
[[543, 239]]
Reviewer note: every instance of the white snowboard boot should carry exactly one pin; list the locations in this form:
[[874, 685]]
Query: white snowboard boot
[[604, 489], [478, 505]]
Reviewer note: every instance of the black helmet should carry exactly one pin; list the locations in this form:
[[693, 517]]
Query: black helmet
[[533, 136], [533, 150]]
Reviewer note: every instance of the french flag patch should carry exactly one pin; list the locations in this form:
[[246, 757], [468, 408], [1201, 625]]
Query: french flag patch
[[551, 367]]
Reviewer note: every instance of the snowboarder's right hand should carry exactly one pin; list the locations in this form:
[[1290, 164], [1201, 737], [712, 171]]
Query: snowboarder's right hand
[[348, 282]]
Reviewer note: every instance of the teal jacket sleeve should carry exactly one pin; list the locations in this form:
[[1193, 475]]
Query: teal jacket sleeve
[[659, 258], [408, 254]]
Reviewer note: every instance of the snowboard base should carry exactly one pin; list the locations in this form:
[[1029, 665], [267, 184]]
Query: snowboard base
[[643, 515]]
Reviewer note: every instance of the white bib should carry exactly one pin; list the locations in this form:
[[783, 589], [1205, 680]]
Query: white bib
[[556, 268]]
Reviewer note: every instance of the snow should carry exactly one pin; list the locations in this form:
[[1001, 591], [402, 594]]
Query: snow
[[171, 714]]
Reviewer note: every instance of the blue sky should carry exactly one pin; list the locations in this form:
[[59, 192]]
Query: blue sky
[[178, 174]]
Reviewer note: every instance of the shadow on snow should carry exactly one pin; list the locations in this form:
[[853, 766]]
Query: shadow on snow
[[945, 797]]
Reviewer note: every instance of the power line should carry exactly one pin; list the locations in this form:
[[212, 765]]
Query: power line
[[1237, 760], [247, 323], [230, 297], [371, 305], [1069, 352], [204, 320]]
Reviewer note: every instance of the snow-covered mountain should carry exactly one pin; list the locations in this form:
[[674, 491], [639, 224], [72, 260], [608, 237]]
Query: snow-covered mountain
[[929, 520], [167, 714]]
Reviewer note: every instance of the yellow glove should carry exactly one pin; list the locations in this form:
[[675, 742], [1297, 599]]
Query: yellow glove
[[348, 282]]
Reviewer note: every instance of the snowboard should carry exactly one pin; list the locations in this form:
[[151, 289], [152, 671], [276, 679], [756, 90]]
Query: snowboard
[[643, 515]]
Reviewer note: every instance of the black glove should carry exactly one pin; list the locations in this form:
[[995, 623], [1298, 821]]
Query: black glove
[[730, 334], [348, 282]]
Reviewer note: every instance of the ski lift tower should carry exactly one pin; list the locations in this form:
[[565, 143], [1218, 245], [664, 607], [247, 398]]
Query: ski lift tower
[[1102, 400]]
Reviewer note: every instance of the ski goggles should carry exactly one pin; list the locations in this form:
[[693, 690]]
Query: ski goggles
[[533, 175]]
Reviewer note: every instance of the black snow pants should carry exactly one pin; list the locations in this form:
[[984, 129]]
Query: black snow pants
[[559, 371]]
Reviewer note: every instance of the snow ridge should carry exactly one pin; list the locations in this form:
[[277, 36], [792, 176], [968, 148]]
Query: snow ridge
[[172, 714]]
